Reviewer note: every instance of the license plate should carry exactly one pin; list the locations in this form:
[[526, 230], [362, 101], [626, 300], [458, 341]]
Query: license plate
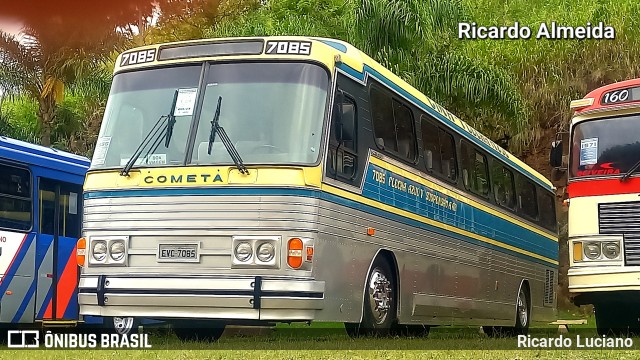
[[178, 253]]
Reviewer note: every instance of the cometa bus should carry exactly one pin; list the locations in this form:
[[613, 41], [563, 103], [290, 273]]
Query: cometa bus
[[285, 179]]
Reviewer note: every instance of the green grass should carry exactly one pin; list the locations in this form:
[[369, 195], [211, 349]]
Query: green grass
[[323, 341]]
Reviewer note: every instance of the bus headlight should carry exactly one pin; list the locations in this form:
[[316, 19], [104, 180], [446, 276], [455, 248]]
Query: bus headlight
[[611, 250], [243, 251], [117, 250], [99, 251], [592, 250], [266, 252]]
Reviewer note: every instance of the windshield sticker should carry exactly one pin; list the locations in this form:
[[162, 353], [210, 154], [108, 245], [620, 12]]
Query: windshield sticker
[[153, 159], [588, 151], [186, 102], [100, 153]]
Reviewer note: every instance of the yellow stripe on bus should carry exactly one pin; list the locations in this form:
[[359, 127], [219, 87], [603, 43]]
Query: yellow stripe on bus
[[361, 199]]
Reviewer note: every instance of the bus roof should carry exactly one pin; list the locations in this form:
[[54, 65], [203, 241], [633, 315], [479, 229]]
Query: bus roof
[[33, 154], [348, 59], [595, 102]]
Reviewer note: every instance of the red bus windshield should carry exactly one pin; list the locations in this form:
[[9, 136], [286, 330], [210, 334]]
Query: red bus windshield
[[605, 147]]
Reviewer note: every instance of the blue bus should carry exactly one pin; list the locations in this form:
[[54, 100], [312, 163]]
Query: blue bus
[[40, 223]]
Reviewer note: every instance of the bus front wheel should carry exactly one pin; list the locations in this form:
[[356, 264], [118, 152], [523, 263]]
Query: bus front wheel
[[615, 319], [379, 302]]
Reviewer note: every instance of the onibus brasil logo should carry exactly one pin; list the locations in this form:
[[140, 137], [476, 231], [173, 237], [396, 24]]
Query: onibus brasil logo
[[33, 339]]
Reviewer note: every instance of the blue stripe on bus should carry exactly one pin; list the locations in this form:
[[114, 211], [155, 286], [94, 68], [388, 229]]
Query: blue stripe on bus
[[448, 210], [550, 250], [432, 112]]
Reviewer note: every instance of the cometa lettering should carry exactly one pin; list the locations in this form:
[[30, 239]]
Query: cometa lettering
[[182, 179]]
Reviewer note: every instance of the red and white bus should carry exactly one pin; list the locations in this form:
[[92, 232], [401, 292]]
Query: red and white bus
[[604, 204]]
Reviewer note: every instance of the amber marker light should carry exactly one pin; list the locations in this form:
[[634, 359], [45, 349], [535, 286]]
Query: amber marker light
[[371, 231], [294, 253], [81, 251], [577, 251]]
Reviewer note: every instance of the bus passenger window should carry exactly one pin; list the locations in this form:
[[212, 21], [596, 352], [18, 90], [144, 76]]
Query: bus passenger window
[[527, 201], [548, 211], [503, 185], [448, 153], [383, 123], [474, 170], [430, 145], [405, 134], [15, 198]]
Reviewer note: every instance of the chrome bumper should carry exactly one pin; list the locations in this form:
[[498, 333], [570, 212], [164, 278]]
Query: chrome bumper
[[238, 298]]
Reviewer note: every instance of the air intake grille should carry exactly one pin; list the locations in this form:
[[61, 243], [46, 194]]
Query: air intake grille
[[623, 218], [549, 287]]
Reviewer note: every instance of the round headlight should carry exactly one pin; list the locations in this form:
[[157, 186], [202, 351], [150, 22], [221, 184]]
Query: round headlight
[[243, 251], [592, 250], [611, 250], [99, 251], [116, 250], [266, 252]]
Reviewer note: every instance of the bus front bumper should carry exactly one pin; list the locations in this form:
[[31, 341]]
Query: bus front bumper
[[237, 298], [592, 284]]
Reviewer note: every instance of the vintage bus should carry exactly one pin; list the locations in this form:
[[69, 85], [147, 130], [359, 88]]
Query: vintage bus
[[604, 208], [284, 179], [40, 221]]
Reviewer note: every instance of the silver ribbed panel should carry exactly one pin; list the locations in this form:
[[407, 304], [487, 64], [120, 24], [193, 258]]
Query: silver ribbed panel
[[623, 218]]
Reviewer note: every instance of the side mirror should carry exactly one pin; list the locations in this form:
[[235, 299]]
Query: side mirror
[[555, 155]]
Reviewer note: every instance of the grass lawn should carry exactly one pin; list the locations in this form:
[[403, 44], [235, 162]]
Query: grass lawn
[[329, 341]]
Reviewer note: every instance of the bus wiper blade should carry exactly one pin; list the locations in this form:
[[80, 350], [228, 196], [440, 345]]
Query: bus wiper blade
[[157, 133], [172, 120], [217, 129], [628, 174]]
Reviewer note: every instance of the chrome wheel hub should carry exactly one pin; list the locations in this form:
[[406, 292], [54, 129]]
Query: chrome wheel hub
[[380, 296], [522, 309], [122, 325]]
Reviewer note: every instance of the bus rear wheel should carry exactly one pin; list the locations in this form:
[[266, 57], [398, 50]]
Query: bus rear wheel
[[523, 318], [379, 303]]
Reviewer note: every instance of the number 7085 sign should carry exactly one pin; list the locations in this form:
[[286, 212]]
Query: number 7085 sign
[[288, 47]]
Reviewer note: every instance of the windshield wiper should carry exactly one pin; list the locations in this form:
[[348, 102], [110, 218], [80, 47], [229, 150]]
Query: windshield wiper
[[633, 169], [217, 129], [157, 133]]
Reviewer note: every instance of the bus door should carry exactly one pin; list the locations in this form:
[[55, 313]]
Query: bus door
[[17, 253], [59, 230]]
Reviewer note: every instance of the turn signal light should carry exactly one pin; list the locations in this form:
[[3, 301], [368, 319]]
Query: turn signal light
[[577, 251], [294, 253], [81, 251]]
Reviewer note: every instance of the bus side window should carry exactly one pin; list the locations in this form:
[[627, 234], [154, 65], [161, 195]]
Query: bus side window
[[15, 198], [503, 185], [474, 170], [343, 142], [527, 201], [438, 149], [547, 211]]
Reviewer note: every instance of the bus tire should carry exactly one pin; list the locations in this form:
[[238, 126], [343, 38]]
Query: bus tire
[[199, 330], [615, 319], [121, 325], [523, 318], [379, 302]]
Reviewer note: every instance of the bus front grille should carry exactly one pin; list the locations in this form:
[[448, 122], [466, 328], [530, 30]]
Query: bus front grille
[[623, 219]]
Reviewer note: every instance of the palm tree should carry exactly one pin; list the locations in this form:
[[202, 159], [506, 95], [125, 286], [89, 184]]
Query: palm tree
[[42, 62]]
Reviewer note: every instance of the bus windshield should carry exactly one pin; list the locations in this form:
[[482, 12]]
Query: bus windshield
[[605, 147], [272, 113]]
